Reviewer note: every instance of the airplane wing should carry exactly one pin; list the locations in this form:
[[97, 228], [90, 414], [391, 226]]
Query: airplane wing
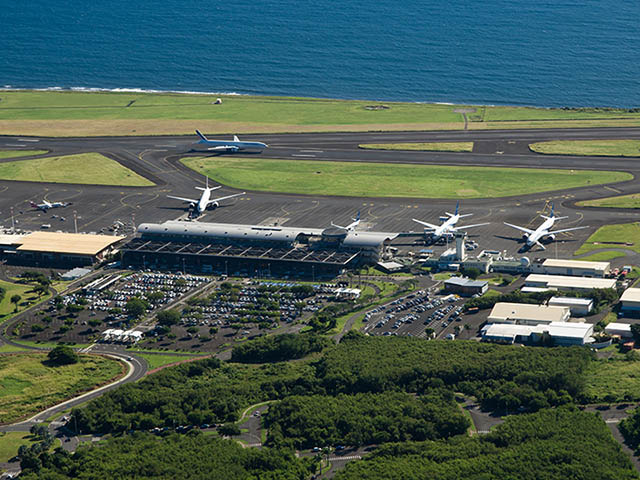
[[429, 225], [190, 200], [462, 227], [566, 230], [225, 198], [522, 229]]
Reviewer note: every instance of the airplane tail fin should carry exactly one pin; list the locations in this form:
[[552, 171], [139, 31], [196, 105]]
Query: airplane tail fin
[[235, 138], [357, 216], [33, 204], [457, 207], [202, 137]]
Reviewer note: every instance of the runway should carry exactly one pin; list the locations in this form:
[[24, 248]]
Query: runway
[[156, 158]]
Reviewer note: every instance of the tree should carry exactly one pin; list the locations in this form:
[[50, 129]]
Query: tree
[[40, 290], [15, 299], [62, 355], [471, 272], [167, 318], [635, 331], [229, 429], [155, 296], [136, 307]]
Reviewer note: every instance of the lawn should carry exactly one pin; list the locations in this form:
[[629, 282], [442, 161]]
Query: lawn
[[28, 386], [84, 168], [6, 348], [612, 148], [129, 113], [620, 201], [362, 179], [156, 360], [7, 309], [422, 147], [624, 235], [602, 256], [612, 380], [20, 153]]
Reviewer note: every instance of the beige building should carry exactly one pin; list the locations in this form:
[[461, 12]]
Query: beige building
[[630, 301], [573, 268], [562, 282], [527, 314]]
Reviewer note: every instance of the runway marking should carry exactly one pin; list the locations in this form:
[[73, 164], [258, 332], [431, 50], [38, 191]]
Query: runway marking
[[313, 151], [170, 146], [294, 155], [14, 145], [612, 189], [28, 140]]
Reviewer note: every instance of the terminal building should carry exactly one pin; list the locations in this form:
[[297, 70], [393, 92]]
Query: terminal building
[[254, 249]]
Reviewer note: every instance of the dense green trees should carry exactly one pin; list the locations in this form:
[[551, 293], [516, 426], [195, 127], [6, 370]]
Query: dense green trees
[[553, 444], [630, 429], [167, 318], [62, 355], [278, 348], [144, 456], [136, 307]]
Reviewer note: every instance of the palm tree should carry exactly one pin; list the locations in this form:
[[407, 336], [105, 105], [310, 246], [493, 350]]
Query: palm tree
[[15, 299]]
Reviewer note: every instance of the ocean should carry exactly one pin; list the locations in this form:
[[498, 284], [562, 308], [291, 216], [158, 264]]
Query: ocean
[[543, 53]]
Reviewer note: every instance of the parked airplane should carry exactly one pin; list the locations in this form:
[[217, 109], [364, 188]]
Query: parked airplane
[[228, 146], [45, 205], [352, 226], [198, 207], [543, 233], [448, 226]]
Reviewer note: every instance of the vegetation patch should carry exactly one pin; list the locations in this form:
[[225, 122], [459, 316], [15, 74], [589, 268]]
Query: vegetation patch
[[364, 179], [624, 235], [157, 360], [602, 256], [613, 380], [620, 201], [20, 153], [609, 148], [422, 147], [82, 168], [279, 348], [31, 384]]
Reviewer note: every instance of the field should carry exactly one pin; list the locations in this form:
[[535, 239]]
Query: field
[[621, 201], [20, 153], [625, 235], [125, 113], [24, 290], [156, 360], [27, 386], [360, 179], [422, 147], [602, 256], [612, 380], [610, 148], [84, 168]]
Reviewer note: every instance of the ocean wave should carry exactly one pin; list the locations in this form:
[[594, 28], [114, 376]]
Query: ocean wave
[[116, 90]]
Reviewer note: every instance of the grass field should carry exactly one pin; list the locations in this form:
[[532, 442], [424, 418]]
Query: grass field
[[7, 309], [360, 179], [624, 235], [84, 168], [27, 386], [20, 153], [422, 147], [156, 360], [6, 348], [610, 148], [126, 113], [602, 256], [10, 442], [614, 378], [621, 201]]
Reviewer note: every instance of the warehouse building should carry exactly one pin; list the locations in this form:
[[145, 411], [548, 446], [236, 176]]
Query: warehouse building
[[465, 287], [579, 306], [555, 333], [622, 330], [58, 249], [566, 283], [527, 314], [630, 302], [254, 249], [573, 268]]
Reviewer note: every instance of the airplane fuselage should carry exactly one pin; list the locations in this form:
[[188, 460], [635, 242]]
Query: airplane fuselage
[[539, 233], [229, 146]]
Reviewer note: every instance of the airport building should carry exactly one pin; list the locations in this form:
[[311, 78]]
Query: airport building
[[622, 330], [576, 268], [527, 314], [465, 287], [567, 283], [57, 249], [555, 333], [630, 301], [578, 306], [254, 249]]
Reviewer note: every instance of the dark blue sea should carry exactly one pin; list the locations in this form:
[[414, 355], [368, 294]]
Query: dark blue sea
[[519, 52]]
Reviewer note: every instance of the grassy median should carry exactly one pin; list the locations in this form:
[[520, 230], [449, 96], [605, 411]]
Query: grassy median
[[360, 179], [620, 201], [624, 235], [20, 153], [127, 113], [421, 147], [83, 168], [609, 148]]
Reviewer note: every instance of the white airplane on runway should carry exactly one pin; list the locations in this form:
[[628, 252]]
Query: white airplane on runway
[[45, 205], [228, 146], [543, 233], [205, 201], [352, 226], [448, 226]]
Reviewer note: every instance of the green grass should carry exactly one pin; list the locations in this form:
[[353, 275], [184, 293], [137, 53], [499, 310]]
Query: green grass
[[7, 309], [613, 148], [28, 386], [20, 153], [620, 201], [443, 275], [31, 343], [84, 168], [602, 256], [10, 442], [6, 348], [157, 360], [616, 378], [126, 113], [422, 147], [624, 235], [390, 180]]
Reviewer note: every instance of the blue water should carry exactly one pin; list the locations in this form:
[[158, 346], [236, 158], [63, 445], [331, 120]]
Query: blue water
[[522, 52]]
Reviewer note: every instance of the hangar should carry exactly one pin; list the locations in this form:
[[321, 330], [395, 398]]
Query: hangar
[[254, 249]]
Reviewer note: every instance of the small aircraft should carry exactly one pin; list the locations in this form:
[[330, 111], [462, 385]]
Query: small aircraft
[[448, 226], [352, 226], [198, 207], [228, 146], [543, 233], [45, 205]]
